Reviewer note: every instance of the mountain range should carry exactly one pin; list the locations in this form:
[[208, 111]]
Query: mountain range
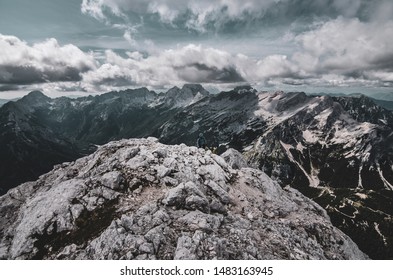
[[335, 150]]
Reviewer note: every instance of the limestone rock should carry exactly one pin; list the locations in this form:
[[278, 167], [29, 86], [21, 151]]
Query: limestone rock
[[139, 199]]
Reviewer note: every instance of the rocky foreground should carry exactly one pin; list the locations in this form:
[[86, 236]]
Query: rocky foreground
[[139, 199]]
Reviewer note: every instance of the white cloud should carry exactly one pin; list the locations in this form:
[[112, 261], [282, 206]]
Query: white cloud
[[128, 36], [171, 67], [93, 8], [347, 47], [47, 61]]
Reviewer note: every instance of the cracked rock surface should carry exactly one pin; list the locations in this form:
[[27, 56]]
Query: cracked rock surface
[[139, 199]]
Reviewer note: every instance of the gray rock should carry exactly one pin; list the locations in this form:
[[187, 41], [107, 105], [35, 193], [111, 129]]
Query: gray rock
[[185, 249], [234, 159], [113, 180], [196, 220], [194, 202], [176, 196], [187, 196], [126, 202], [222, 195]]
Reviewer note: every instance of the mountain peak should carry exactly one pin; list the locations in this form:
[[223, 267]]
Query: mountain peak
[[36, 94], [195, 88], [164, 202], [35, 97], [189, 94]]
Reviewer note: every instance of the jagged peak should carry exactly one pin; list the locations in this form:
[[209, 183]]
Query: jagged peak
[[34, 98], [37, 95], [195, 88], [173, 89]]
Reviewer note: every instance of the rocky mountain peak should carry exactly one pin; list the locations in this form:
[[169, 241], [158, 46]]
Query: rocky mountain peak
[[140, 199], [188, 94], [363, 108], [35, 97], [195, 89], [291, 99]]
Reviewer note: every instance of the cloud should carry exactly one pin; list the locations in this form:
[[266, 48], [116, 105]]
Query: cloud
[[344, 38], [191, 63], [348, 47], [93, 8], [42, 62], [221, 15], [9, 88], [339, 53], [194, 64]]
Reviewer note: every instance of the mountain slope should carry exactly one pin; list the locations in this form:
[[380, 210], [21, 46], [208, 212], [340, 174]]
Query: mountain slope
[[223, 118], [27, 147], [139, 199], [337, 151]]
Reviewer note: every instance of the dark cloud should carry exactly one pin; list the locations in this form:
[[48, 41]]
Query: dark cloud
[[9, 87], [383, 61], [28, 74], [201, 73], [116, 82]]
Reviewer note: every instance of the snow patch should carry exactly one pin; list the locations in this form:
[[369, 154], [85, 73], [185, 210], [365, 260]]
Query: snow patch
[[313, 178], [383, 121], [360, 184], [310, 137], [268, 102], [300, 147], [386, 182], [361, 195], [323, 116], [376, 226]]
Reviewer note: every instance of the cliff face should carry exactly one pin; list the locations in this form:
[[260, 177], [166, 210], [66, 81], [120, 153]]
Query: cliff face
[[139, 199]]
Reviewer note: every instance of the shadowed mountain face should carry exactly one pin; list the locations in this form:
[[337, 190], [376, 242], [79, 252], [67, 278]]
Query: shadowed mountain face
[[38, 132], [28, 147], [335, 150]]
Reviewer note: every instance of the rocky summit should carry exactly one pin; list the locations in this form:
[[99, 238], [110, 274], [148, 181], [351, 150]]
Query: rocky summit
[[140, 199]]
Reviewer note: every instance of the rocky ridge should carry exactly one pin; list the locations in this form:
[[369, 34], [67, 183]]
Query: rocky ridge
[[140, 199]]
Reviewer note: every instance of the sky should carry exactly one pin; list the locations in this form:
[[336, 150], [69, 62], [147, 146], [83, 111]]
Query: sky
[[81, 47]]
